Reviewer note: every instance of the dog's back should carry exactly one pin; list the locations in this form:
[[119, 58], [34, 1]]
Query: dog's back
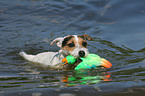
[[52, 59]]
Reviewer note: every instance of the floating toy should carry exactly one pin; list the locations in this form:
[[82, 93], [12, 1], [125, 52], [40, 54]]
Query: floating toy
[[91, 61]]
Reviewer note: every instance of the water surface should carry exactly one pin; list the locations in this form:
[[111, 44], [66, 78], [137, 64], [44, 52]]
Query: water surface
[[116, 26]]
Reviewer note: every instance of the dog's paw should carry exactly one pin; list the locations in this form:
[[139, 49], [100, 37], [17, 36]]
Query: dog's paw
[[22, 54]]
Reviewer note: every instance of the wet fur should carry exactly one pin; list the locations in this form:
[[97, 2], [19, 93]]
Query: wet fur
[[70, 45]]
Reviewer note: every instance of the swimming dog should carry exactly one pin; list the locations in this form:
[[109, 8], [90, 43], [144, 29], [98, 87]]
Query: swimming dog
[[75, 45]]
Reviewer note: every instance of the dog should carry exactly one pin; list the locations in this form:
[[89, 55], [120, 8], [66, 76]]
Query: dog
[[75, 45]]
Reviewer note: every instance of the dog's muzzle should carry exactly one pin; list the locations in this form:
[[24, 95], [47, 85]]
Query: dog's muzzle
[[79, 52]]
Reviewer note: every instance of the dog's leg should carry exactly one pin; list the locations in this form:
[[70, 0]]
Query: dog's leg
[[27, 57]]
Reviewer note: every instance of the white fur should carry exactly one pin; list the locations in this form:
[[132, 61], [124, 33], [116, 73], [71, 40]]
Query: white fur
[[77, 40], [76, 51], [78, 48], [58, 41], [52, 59]]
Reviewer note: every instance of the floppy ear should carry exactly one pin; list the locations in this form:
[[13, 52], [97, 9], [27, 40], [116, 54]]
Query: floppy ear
[[86, 37], [58, 41]]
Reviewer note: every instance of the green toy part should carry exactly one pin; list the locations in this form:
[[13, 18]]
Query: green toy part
[[69, 60], [91, 61]]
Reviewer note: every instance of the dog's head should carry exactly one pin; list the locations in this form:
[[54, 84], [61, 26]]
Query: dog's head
[[75, 45]]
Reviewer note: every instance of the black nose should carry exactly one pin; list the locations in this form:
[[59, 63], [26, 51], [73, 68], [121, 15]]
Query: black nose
[[81, 53]]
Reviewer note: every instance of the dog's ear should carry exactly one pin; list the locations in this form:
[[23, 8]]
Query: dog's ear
[[86, 37], [58, 41]]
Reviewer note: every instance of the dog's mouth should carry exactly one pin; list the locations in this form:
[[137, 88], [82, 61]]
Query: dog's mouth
[[72, 66], [77, 54]]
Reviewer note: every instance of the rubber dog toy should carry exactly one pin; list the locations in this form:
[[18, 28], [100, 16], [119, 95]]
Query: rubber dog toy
[[91, 61]]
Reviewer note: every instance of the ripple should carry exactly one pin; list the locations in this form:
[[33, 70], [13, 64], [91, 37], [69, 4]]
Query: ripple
[[115, 26]]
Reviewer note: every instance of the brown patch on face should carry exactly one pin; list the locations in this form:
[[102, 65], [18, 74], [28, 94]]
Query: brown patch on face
[[82, 42], [69, 43]]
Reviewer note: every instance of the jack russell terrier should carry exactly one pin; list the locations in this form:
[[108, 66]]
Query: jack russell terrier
[[75, 45]]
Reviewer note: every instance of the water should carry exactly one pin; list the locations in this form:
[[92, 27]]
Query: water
[[118, 31]]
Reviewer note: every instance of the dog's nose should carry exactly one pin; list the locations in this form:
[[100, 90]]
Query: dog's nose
[[81, 53]]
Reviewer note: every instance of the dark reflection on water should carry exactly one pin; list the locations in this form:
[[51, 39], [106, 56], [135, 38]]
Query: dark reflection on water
[[117, 28]]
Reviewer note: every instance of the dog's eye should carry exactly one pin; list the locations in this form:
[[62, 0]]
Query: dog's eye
[[84, 44], [71, 45]]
